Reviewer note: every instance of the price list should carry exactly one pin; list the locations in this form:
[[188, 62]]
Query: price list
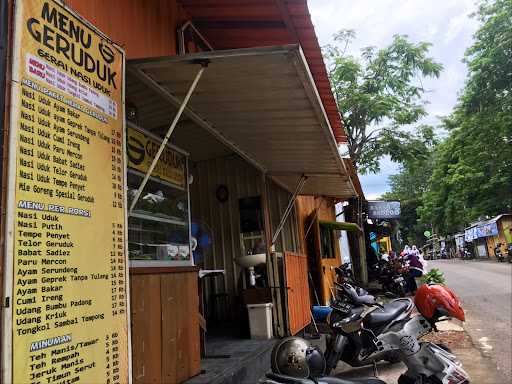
[[69, 230]]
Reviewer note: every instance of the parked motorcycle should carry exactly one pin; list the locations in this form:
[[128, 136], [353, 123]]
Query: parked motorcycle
[[497, 252], [365, 332], [509, 252], [468, 255], [295, 361], [345, 275], [390, 276]]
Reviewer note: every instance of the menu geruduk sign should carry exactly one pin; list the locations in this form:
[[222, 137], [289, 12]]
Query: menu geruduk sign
[[66, 224]]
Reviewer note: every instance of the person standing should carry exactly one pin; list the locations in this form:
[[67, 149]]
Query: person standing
[[415, 269]]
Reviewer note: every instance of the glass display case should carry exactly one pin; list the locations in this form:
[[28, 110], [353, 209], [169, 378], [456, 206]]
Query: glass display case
[[159, 224]]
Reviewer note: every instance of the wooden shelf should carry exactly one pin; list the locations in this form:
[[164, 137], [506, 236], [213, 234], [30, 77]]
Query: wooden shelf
[[161, 270]]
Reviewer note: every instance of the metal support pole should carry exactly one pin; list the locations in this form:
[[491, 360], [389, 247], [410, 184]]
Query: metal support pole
[[286, 213], [167, 136]]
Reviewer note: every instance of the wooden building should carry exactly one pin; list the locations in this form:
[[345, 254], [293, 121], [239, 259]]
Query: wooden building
[[504, 235], [260, 136], [484, 235]]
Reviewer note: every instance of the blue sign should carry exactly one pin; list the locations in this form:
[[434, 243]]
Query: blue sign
[[484, 230], [490, 229], [384, 209]]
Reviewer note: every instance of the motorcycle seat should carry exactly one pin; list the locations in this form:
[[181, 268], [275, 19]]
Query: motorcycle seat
[[389, 312], [320, 380]]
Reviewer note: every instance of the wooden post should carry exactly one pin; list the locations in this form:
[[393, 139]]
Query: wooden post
[[362, 243], [353, 213], [270, 256]]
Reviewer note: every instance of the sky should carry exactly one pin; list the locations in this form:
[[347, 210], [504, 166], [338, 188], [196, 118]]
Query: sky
[[444, 23]]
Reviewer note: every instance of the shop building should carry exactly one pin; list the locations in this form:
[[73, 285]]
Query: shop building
[[240, 207], [486, 234]]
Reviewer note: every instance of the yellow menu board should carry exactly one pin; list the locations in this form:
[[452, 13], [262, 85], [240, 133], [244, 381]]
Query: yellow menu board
[[141, 150], [67, 221]]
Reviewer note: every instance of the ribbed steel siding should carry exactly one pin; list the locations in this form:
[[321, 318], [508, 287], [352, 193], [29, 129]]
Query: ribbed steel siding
[[261, 23], [144, 28], [242, 181]]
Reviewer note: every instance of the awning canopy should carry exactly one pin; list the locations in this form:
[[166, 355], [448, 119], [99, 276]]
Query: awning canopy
[[340, 226], [261, 103]]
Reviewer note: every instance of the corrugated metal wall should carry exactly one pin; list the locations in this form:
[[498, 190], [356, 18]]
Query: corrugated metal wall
[[242, 180], [144, 28]]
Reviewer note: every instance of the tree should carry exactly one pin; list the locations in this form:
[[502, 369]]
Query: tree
[[472, 174], [378, 93], [415, 154]]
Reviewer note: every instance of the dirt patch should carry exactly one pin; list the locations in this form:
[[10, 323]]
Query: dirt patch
[[451, 339]]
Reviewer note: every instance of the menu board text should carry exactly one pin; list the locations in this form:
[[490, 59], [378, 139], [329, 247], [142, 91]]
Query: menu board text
[[68, 232]]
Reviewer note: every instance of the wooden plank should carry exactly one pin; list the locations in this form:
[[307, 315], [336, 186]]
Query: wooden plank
[[186, 327], [165, 327], [146, 328], [181, 330], [305, 296], [298, 294], [192, 326], [170, 290]]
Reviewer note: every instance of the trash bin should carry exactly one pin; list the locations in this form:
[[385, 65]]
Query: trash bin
[[260, 320]]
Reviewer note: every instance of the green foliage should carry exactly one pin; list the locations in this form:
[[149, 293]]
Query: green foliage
[[434, 276], [472, 173], [415, 155], [377, 93]]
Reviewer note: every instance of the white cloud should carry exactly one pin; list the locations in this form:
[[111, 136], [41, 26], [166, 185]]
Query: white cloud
[[455, 26], [444, 23], [372, 196]]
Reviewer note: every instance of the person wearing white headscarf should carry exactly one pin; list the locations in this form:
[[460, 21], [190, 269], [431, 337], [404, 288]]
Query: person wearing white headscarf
[[415, 268]]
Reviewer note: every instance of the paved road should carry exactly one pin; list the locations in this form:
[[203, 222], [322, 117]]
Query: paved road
[[485, 289]]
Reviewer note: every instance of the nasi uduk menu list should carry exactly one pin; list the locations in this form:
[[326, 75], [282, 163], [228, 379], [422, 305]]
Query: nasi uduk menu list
[[70, 295]]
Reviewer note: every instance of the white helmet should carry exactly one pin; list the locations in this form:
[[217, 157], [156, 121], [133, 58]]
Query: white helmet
[[295, 357]]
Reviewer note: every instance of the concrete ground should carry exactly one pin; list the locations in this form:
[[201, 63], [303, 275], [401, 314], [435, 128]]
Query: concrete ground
[[234, 361], [480, 368], [483, 344], [485, 289]]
